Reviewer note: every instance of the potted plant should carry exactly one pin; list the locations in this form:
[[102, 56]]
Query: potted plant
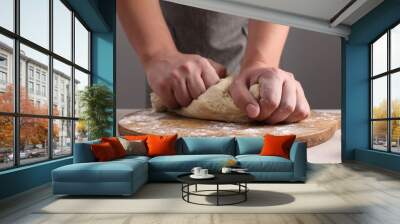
[[96, 102]]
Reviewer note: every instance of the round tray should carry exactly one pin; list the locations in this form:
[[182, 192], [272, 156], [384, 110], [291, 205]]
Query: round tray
[[318, 128]]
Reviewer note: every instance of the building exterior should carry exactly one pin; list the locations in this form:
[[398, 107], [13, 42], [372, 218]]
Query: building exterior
[[34, 79]]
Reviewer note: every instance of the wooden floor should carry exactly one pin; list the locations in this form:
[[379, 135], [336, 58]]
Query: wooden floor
[[351, 181]]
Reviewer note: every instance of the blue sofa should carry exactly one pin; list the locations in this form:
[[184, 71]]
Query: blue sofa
[[125, 176]]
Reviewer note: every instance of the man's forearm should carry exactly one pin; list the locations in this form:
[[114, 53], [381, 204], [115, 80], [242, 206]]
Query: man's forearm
[[145, 27], [265, 44]]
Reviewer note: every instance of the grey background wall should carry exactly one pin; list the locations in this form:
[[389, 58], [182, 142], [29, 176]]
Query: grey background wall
[[314, 58], [131, 81]]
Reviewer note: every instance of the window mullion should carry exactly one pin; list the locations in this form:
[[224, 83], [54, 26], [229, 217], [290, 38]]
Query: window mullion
[[50, 81], [389, 101], [371, 137], [89, 53], [16, 70], [73, 82]]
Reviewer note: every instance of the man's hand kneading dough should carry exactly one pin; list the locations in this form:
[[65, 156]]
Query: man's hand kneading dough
[[178, 78]]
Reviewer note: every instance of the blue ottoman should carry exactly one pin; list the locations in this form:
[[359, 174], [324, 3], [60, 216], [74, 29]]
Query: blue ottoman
[[118, 177]]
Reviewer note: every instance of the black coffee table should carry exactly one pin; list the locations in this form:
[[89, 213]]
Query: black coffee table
[[238, 179]]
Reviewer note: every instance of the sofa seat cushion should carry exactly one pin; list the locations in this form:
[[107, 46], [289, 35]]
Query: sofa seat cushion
[[257, 163], [113, 171], [185, 163], [133, 157]]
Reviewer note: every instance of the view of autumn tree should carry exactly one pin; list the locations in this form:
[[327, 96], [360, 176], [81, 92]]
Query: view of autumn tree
[[6, 132], [380, 128], [33, 131], [6, 122]]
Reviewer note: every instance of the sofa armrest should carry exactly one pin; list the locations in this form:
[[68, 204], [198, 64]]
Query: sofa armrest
[[83, 152], [298, 155]]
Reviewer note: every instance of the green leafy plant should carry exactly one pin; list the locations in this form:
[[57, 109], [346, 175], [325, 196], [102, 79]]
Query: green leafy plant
[[96, 102]]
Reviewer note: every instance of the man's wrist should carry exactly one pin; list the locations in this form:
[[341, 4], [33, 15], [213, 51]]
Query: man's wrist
[[251, 64], [147, 57]]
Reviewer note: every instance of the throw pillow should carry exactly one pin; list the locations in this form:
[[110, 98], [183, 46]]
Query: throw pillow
[[159, 145], [135, 137], [277, 145], [116, 145], [103, 152], [134, 147]]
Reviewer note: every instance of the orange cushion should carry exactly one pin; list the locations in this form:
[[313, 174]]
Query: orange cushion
[[161, 145], [135, 137], [116, 145], [103, 152], [277, 145]]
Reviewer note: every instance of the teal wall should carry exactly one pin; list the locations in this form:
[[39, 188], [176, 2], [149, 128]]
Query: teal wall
[[99, 16], [356, 101], [91, 12], [24, 178], [381, 159]]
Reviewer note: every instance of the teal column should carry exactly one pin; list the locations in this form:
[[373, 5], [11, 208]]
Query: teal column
[[355, 108], [103, 53], [103, 65]]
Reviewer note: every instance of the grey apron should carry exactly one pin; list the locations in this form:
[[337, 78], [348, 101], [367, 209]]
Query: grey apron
[[213, 35]]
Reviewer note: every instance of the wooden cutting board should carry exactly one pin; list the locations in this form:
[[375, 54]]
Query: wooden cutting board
[[316, 129]]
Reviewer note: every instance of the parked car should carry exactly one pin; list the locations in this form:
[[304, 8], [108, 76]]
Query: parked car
[[22, 155], [25, 154], [37, 153], [57, 152]]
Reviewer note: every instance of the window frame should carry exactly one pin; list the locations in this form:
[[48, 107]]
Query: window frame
[[5, 58], [16, 115], [388, 74], [3, 70], [3, 74]]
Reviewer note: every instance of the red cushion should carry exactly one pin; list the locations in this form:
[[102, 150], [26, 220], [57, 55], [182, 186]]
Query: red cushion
[[116, 145], [161, 145], [103, 152], [277, 145]]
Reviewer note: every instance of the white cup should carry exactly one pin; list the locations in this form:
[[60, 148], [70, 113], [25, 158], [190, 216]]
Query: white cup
[[196, 171], [203, 172], [226, 170]]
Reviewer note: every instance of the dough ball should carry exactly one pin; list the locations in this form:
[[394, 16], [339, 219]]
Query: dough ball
[[214, 104]]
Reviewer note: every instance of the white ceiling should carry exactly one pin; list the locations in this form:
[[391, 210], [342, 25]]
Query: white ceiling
[[325, 16], [321, 9], [360, 12]]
